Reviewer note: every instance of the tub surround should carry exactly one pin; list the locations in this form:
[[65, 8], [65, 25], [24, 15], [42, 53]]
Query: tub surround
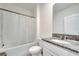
[[21, 50]]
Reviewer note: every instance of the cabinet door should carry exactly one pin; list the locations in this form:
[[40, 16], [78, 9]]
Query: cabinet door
[[48, 49], [10, 29], [46, 52], [0, 28]]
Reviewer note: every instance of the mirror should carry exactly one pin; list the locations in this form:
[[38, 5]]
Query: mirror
[[71, 24]]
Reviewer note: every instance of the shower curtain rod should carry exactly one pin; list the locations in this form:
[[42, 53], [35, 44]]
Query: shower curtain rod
[[17, 13]]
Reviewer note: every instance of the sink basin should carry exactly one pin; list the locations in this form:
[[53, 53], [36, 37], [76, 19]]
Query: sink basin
[[60, 41], [73, 42]]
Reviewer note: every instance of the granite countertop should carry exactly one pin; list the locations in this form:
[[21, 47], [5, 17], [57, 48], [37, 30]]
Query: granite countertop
[[67, 44]]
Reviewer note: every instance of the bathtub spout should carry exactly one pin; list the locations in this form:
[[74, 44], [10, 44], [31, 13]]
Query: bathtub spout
[[3, 54]]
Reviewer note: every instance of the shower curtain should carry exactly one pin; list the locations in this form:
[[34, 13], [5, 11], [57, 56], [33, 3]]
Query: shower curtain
[[16, 29]]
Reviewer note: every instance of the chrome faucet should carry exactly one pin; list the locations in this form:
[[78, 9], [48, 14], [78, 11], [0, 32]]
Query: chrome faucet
[[65, 37]]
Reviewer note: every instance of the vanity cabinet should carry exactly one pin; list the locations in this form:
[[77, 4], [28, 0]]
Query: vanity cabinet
[[47, 52], [47, 49], [54, 50]]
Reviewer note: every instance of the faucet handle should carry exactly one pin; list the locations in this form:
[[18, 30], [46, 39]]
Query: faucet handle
[[65, 37]]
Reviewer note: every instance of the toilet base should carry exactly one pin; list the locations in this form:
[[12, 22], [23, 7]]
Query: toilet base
[[38, 54]]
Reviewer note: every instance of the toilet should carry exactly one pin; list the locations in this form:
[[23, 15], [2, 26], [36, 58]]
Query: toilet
[[35, 50]]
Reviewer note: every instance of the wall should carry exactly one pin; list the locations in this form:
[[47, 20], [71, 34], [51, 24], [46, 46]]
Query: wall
[[59, 18], [38, 21], [45, 20], [16, 9]]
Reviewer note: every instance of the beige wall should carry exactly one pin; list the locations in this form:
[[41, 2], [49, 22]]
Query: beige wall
[[45, 13]]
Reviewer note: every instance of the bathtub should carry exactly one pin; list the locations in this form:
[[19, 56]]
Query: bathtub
[[22, 50]]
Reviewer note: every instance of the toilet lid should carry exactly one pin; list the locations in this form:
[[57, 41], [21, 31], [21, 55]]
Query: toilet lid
[[35, 49]]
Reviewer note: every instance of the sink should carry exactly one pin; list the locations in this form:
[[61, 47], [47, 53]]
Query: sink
[[60, 41], [73, 42]]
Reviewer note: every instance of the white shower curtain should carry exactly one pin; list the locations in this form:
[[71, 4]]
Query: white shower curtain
[[17, 29], [0, 28]]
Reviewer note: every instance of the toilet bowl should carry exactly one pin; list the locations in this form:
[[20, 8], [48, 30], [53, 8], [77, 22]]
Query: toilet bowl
[[35, 50]]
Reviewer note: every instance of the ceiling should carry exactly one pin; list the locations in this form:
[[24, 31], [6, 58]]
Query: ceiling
[[61, 6]]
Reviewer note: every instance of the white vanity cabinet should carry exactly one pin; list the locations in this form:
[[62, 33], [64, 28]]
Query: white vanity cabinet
[[54, 50], [47, 52], [47, 48]]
